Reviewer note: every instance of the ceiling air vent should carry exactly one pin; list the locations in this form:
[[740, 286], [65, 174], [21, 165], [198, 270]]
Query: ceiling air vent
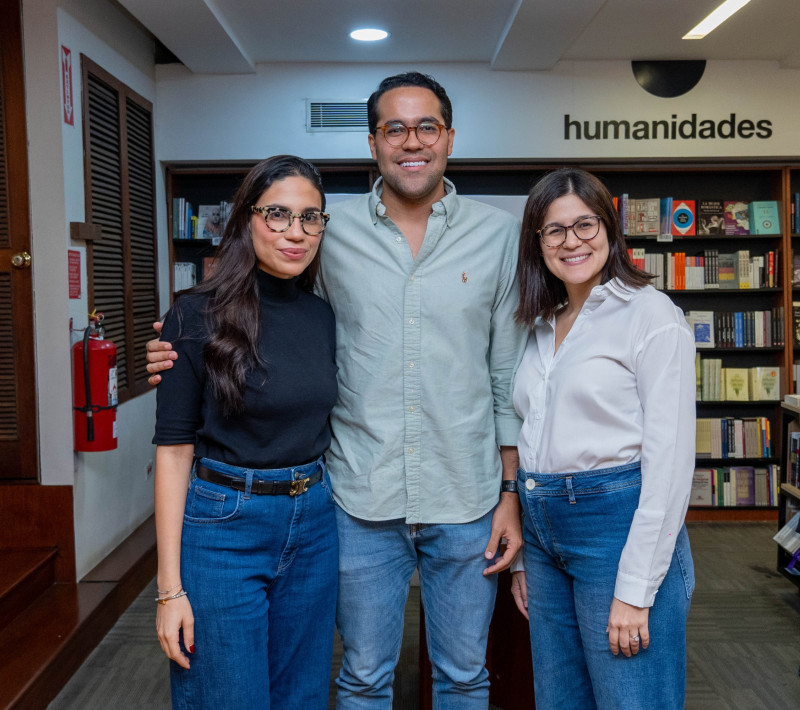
[[336, 116]]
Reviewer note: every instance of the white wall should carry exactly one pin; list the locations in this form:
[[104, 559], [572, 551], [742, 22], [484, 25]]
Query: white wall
[[112, 495], [496, 114]]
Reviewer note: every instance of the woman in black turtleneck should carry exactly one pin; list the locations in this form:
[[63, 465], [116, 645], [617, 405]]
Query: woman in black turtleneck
[[247, 546]]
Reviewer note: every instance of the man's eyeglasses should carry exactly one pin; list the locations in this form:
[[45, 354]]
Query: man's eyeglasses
[[279, 219], [586, 228], [427, 132]]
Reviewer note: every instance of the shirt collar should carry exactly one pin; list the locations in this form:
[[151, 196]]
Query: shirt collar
[[448, 205], [598, 295]]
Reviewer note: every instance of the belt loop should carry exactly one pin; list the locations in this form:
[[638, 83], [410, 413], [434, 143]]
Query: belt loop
[[572, 500], [248, 483]]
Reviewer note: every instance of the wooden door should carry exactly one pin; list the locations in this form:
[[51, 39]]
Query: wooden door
[[18, 450]]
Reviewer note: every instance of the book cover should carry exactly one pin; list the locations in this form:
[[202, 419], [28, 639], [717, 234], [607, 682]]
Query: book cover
[[683, 218], [702, 324], [736, 218], [210, 223], [665, 210], [745, 485], [726, 270], [764, 217], [646, 213], [701, 493], [765, 383], [710, 218], [736, 384]]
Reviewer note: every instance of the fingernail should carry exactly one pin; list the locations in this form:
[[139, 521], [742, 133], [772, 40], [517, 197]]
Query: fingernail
[[191, 648]]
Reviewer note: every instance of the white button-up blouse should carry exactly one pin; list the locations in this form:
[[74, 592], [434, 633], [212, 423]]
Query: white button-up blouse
[[620, 389]]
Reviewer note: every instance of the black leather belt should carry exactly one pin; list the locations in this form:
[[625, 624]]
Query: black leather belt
[[259, 488]]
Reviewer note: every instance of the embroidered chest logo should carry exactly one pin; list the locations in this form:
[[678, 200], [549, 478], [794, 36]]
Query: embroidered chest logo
[[464, 277]]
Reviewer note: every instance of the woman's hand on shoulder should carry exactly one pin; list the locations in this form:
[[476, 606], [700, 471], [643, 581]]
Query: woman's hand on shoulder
[[171, 617], [627, 628]]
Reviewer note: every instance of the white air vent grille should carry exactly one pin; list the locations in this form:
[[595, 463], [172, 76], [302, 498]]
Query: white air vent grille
[[336, 116]]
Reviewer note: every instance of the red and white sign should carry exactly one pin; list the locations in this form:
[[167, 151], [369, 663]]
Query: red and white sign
[[74, 264], [66, 86]]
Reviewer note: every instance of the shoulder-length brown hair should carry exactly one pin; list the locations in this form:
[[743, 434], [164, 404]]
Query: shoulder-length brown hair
[[540, 292]]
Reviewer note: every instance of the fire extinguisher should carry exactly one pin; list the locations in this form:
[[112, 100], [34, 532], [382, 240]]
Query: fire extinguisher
[[94, 391]]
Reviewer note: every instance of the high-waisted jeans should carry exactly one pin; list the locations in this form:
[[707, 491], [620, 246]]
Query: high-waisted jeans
[[260, 572], [575, 527]]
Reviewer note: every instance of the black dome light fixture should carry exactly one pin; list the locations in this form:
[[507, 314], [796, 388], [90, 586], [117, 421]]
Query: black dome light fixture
[[668, 79]]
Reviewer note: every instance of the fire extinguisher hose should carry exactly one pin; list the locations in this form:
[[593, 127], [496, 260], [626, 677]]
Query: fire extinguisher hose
[[87, 387]]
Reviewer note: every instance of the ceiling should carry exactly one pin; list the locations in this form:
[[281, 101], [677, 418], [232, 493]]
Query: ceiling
[[232, 36]]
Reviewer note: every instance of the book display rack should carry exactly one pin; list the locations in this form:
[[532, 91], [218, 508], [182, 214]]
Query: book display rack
[[737, 287]]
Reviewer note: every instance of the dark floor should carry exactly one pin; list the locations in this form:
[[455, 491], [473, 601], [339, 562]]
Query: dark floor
[[743, 650]]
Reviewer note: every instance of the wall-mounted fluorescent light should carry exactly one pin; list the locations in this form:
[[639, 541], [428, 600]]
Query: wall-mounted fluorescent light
[[715, 19], [369, 35]]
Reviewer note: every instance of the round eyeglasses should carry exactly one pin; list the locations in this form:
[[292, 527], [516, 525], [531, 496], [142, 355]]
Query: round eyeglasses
[[427, 132], [279, 219], [585, 228]]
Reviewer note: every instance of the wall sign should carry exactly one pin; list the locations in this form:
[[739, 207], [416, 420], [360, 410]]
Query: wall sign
[[74, 266], [66, 86], [675, 128]]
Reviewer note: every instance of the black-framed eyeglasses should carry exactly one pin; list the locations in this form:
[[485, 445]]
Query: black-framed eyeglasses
[[427, 132], [585, 228], [279, 219]]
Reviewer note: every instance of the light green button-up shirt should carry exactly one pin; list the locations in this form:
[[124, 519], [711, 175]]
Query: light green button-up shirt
[[426, 350]]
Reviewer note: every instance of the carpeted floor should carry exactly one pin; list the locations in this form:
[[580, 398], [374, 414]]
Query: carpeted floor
[[743, 650]]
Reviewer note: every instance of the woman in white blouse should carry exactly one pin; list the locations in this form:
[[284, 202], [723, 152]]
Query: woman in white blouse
[[606, 389]]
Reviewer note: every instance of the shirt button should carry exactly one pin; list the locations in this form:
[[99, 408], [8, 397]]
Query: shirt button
[[411, 451], [411, 364], [411, 321], [411, 409], [399, 239], [530, 484], [411, 278]]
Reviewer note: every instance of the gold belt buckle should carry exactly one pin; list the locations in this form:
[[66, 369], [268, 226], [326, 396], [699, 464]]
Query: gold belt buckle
[[298, 487]]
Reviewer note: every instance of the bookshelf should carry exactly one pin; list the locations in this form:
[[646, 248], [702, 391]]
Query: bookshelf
[[746, 180]]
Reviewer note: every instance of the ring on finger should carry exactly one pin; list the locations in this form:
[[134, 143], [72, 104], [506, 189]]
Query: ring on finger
[[635, 639]]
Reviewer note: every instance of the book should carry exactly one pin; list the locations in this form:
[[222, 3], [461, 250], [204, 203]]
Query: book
[[683, 218], [210, 223], [743, 478], [702, 325], [765, 383], [665, 210], [702, 487], [796, 321], [764, 217], [727, 268], [737, 384], [646, 216], [710, 218], [736, 218], [795, 270]]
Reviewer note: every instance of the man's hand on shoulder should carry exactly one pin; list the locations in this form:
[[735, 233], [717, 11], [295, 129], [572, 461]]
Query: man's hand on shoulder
[[159, 356]]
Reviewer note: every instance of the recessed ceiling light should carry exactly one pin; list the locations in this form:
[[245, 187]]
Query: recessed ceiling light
[[369, 35], [715, 19]]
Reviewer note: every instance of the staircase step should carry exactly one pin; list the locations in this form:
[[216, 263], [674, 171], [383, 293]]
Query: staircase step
[[24, 575], [46, 643]]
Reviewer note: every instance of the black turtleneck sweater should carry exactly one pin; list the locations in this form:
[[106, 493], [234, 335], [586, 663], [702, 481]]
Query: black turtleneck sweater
[[286, 402]]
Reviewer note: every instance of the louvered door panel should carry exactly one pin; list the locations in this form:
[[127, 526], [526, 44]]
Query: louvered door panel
[[121, 199], [108, 253]]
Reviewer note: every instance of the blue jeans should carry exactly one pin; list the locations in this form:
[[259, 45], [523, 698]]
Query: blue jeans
[[260, 574], [576, 525], [376, 562]]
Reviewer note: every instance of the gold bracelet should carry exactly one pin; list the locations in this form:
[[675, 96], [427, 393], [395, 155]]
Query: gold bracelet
[[164, 600]]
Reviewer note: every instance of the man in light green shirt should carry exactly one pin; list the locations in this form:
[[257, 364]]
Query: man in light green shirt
[[422, 283]]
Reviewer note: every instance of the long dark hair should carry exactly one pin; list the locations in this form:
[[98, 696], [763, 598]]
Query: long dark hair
[[233, 312], [540, 292]]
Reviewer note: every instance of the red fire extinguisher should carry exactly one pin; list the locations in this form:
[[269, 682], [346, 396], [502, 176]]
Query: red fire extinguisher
[[94, 391]]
